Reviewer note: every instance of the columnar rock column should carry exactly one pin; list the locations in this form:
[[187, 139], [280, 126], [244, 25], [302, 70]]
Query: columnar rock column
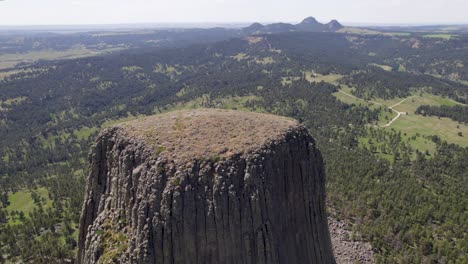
[[205, 186]]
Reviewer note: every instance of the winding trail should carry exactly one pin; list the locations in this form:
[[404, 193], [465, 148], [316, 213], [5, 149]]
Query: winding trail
[[401, 101], [398, 113], [360, 99], [389, 107], [394, 119]]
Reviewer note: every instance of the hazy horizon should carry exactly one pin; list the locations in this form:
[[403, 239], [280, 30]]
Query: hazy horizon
[[120, 12]]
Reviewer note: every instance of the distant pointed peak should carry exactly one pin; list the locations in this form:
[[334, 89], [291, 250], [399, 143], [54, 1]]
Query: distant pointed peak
[[256, 24], [310, 20], [334, 24]]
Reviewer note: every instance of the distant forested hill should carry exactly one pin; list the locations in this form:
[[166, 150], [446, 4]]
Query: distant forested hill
[[409, 201]]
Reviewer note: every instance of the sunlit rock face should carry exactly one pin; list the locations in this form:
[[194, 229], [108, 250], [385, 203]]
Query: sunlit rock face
[[205, 186]]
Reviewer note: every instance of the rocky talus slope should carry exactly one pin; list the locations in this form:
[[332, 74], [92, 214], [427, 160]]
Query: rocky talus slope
[[346, 249], [205, 186]]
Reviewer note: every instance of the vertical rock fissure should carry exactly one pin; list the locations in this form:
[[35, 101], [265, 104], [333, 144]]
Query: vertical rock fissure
[[171, 228], [262, 204]]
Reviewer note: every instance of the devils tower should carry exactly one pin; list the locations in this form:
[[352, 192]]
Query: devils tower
[[205, 186]]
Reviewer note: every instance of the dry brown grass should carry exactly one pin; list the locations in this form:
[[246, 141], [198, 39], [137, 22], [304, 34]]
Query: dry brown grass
[[254, 40], [207, 133]]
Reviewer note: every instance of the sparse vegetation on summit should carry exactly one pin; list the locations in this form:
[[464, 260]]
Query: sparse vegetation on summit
[[400, 187]]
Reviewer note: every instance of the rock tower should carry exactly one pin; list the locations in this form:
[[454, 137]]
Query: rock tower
[[208, 187]]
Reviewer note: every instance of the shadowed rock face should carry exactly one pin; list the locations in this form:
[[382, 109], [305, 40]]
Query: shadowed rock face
[[205, 186]]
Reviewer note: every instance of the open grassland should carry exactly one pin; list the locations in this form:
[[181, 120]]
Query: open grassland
[[8, 73], [440, 36], [383, 67], [420, 143], [22, 201], [123, 33], [316, 77], [345, 96], [85, 133], [206, 101], [4, 105], [312, 76], [15, 100], [82, 134], [288, 80], [12, 59], [412, 104], [365, 31], [240, 56], [401, 68], [411, 124], [445, 128], [264, 60], [388, 102], [465, 82]]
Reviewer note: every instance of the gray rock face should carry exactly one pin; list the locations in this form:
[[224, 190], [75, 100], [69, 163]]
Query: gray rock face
[[261, 204]]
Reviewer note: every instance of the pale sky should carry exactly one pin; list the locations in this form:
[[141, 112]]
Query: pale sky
[[63, 12]]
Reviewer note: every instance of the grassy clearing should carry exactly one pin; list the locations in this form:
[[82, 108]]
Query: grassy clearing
[[4, 105], [388, 102], [412, 104], [12, 59], [441, 36], [50, 141], [6, 157], [365, 31], [240, 56], [182, 92], [169, 70], [384, 116], [445, 128], [465, 82], [254, 40], [417, 142], [6, 74], [422, 144], [131, 68], [85, 132], [413, 124], [22, 201], [288, 80], [205, 101], [383, 67], [265, 60], [15, 100], [123, 33], [316, 77]]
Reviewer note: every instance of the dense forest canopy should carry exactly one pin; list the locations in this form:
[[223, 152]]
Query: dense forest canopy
[[457, 112], [408, 200]]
